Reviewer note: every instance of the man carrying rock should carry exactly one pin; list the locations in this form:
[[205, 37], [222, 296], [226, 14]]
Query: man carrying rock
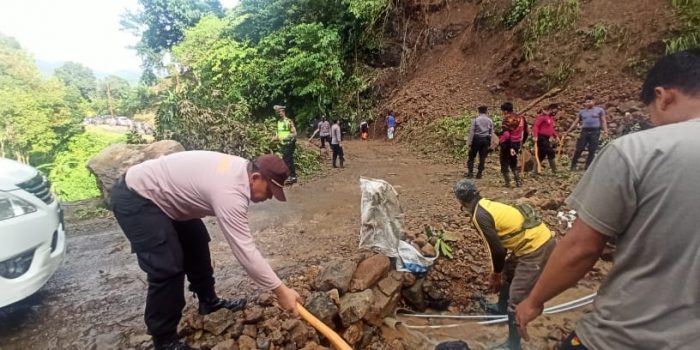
[[159, 205], [642, 191], [479, 141], [592, 119], [513, 135], [542, 131], [287, 136], [518, 229]]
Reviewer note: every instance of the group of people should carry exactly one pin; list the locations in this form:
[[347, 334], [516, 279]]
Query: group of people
[[515, 133], [333, 136], [641, 192]]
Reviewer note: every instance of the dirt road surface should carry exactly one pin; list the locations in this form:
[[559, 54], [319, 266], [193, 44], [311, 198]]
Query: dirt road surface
[[96, 299]]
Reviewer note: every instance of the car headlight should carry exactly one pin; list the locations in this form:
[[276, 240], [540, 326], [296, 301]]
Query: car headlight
[[13, 206]]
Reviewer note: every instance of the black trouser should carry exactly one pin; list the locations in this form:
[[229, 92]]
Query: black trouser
[[479, 145], [288, 156], [167, 251], [509, 161], [572, 342], [588, 140], [337, 152], [325, 139], [544, 148]]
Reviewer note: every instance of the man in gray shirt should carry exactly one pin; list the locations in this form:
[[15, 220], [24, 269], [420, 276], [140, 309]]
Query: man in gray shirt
[[592, 119], [643, 192], [479, 141]]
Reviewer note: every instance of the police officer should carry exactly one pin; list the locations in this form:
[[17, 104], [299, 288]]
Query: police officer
[[159, 205], [287, 137]]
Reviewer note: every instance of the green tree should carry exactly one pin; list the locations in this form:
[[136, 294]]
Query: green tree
[[161, 24], [36, 118], [75, 75]]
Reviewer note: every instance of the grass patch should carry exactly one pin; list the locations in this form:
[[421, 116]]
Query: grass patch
[[91, 213], [689, 35], [547, 20], [519, 9], [598, 35], [560, 76]]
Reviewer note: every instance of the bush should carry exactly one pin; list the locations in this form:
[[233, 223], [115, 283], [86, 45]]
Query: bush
[[226, 130], [68, 173]]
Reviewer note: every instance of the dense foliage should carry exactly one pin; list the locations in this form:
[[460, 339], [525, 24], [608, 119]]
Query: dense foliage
[[228, 71], [37, 116], [69, 176]]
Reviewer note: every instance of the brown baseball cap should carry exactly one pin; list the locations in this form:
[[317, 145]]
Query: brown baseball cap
[[276, 173]]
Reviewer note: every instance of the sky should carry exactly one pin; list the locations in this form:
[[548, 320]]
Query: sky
[[83, 31]]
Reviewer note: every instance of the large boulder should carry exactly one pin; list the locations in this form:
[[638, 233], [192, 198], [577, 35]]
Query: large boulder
[[113, 161]]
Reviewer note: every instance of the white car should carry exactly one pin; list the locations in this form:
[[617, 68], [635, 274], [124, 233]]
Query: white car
[[32, 240]]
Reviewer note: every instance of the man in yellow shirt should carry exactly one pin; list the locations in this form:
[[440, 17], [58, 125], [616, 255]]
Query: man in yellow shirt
[[504, 228]]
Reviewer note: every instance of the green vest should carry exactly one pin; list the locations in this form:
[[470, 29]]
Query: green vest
[[283, 130]]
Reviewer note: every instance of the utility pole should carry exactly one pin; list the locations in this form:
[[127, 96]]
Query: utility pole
[[109, 100]]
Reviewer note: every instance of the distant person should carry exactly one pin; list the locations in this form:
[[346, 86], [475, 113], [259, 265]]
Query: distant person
[[543, 131], [390, 126], [592, 119], [324, 133], [160, 203], [336, 144], [364, 130], [513, 135], [641, 191], [479, 141], [287, 137]]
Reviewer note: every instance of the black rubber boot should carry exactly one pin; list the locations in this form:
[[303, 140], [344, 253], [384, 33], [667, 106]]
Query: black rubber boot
[[208, 306], [478, 174], [513, 342], [553, 165], [518, 183], [506, 178]]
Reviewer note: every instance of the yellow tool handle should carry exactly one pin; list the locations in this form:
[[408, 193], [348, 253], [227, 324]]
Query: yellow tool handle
[[332, 336], [561, 147], [537, 158]]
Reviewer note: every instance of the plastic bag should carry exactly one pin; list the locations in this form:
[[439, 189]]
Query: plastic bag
[[382, 217], [412, 260]]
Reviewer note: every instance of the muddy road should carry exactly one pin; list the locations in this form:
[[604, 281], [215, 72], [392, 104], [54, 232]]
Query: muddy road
[[96, 298]]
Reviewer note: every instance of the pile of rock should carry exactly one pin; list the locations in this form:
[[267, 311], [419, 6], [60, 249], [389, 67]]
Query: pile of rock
[[351, 296], [355, 298], [260, 326]]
